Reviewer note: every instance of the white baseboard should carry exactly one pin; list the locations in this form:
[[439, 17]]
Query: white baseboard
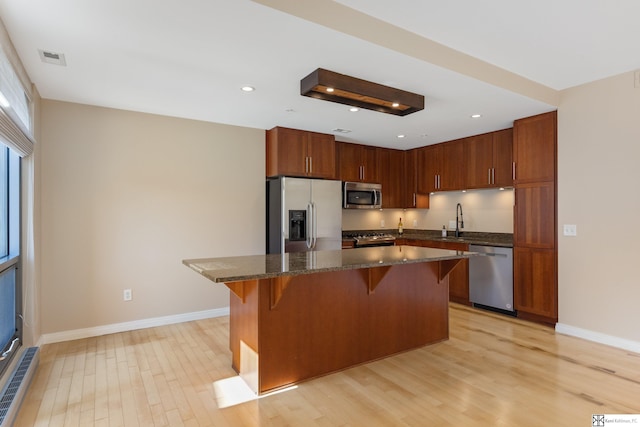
[[130, 326], [598, 337]]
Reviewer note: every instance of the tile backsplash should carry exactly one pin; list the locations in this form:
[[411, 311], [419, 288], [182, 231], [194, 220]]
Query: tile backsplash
[[483, 210]]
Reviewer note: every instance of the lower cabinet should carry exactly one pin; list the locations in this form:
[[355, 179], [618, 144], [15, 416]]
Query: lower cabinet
[[459, 276], [535, 286]]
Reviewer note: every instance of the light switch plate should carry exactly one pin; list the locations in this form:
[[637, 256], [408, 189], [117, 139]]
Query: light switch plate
[[570, 230]]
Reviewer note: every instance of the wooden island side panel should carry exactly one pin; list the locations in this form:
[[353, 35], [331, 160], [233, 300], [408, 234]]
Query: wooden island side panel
[[327, 322]]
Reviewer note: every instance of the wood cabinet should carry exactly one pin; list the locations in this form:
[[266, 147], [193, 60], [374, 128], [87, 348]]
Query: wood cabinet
[[428, 168], [294, 152], [391, 174], [411, 197], [535, 292], [356, 163], [534, 148], [452, 166], [535, 255], [488, 159], [441, 167], [458, 277]]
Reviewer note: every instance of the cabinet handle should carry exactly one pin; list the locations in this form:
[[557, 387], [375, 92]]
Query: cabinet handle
[[306, 165], [439, 184], [493, 175], [435, 181], [362, 173], [310, 164], [489, 176], [513, 171], [414, 200]]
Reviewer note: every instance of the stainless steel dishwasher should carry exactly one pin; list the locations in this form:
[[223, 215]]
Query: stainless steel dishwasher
[[491, 278]]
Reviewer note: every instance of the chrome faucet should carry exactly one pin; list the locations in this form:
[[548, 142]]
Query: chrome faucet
[[460, 221]]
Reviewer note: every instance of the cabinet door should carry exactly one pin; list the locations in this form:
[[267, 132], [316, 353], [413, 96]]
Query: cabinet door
[[452, 166], [410, 197], [534, 148], [348, 161], [503, 158], [390, 171], [357, 162], [321, 151], [534, 215], [534, 282], [286, 152], [369, 166], [428, 168], [479, 159]]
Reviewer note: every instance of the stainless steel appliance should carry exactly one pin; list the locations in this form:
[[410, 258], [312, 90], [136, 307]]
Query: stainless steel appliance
[[303, 215], [491, 278], [365, 239], [361, 195]]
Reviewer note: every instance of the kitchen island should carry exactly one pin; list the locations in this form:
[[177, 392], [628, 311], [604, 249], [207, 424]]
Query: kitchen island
[[296, 316]]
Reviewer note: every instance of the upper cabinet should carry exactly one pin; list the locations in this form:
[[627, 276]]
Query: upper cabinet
[[294, 152], [488, 159], [452, 166], [391, 174], [428, 168], [356, 163], [534, 148], [441, 167]]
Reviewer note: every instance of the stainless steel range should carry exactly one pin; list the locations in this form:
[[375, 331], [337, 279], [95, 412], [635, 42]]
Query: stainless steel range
[[367, 239]]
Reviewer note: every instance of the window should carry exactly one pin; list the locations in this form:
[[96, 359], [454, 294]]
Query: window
[[10, 289]]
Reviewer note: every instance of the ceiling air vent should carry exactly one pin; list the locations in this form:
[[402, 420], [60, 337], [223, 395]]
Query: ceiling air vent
[[340, 130], [52, 57]]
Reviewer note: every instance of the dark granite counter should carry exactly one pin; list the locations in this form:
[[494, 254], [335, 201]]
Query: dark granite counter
[[504, 240], [235, 269]]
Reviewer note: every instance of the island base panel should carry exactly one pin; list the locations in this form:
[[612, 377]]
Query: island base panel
[[330, 321]]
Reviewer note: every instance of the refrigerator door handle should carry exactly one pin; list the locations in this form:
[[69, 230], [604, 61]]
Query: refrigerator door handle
[[309, 225], [314, 224]]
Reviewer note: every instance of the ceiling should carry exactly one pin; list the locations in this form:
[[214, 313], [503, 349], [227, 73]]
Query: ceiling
[[189, 58]]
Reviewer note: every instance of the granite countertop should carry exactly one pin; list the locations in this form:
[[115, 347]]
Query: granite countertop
[[504, 240], [235, 269]]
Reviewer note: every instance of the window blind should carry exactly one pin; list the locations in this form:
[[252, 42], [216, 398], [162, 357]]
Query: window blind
[[15, 110]]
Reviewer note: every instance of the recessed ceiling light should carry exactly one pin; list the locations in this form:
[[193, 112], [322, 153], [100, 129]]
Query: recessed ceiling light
[[353, 109], [395, 105], [400, 136], [290, 110], [476, 116], [248, 88], [329, 89]]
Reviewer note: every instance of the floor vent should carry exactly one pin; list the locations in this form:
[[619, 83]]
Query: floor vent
[[15, 390]]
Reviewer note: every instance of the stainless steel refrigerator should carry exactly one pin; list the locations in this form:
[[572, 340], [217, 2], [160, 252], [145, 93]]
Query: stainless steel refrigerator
[[303, 215]]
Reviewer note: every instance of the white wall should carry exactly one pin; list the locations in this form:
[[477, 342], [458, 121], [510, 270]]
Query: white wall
[[126, 197], [483, 210], [598, 177]]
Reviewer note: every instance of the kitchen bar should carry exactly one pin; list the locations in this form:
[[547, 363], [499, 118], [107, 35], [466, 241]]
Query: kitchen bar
[[296, 316]]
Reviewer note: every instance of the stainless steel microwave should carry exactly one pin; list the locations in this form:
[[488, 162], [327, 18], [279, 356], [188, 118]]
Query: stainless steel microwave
[[360, 195]]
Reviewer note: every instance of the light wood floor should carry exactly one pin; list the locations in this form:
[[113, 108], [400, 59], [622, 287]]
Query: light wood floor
[[493, 371]]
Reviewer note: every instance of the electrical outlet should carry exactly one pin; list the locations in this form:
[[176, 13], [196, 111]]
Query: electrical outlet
[[382, 223], [415, 222], [452, 224], [570, 230], [636, 79], [126, 295]]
